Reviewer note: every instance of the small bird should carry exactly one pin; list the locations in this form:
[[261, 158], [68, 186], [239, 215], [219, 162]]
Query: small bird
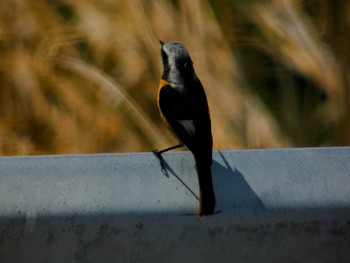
[[184, 107]]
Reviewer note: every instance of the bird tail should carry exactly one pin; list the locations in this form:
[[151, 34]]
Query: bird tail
[[206, 190]]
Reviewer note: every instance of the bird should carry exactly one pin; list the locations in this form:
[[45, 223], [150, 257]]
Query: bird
[[183, 106]]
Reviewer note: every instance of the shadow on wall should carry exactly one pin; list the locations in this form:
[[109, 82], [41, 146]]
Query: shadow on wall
[[235, 195]]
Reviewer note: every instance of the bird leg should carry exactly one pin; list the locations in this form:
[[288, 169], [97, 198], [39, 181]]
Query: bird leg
[[158, 153]]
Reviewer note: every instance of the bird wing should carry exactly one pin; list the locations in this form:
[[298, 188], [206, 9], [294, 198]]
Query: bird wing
[[188, 115]]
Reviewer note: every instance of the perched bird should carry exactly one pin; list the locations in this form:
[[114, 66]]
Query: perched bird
[[183, 105]]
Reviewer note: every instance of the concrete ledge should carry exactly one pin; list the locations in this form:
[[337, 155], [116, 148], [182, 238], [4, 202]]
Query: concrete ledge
[[290, 205]]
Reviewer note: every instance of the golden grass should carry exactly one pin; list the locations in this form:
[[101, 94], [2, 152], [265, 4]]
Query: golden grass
[[82, 76]]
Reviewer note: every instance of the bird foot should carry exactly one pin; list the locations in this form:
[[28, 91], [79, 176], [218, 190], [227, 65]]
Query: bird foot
[[158, 154]]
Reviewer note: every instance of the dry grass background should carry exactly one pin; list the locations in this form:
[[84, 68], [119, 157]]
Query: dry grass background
[[82, 76]]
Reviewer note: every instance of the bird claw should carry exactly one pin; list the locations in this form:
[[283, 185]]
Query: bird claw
[[158, 154]]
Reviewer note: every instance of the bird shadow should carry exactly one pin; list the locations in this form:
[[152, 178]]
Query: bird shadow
[[166, 170], [233, 192]]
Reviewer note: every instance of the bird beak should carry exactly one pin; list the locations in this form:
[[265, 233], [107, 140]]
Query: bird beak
[[161, 42]]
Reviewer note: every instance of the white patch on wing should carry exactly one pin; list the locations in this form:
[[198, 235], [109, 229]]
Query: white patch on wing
[[189, 126]]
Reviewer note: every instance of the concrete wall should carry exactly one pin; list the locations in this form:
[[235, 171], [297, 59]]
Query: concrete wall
[[289, 205]]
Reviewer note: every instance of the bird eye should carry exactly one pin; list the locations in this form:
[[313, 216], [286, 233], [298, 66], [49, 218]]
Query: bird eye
[[181, 64]]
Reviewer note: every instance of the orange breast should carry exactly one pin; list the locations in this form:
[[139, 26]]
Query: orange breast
[[162, 83]]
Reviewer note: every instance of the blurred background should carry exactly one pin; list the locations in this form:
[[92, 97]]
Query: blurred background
[[82, 76]]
